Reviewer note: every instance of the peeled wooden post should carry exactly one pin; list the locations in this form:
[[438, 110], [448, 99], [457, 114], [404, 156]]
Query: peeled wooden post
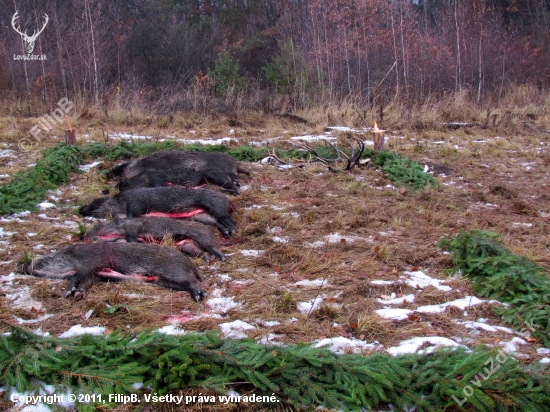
[[70, 133], [379, 140]]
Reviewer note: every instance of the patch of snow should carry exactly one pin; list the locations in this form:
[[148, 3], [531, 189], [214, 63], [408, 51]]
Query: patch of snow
[[224, 277], [77, 330], [171, 329], [280, 239], [211, 141], [270, 339], [316, 282], [512, 346], [3, 233], [314, 245], [459, 303], [21, 298], [235, 329], [484, 326], [395, 314], [15, 217], [121, 135], [420, 279], [222, 305], [88, 167], [28, 321], [269, 323], [343, 345], [382, 282], [412, 345], [545, 360], [251, 253], [518, 224], [312, 138], [543, 351], [310, 306], [398, 301]]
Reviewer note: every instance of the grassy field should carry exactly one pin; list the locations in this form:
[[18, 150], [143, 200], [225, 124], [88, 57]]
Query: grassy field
[[304, 235]]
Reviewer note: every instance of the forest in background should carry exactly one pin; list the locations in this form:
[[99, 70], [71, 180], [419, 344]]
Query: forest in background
[[281, 55]]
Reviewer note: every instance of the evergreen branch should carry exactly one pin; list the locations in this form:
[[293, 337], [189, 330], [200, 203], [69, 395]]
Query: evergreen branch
[[496, 273], [302, 375]]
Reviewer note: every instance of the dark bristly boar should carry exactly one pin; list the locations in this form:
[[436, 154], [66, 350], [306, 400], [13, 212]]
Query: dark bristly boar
[[216, 168], [173, 202], [161, 178], [193, 239], [83, 264]]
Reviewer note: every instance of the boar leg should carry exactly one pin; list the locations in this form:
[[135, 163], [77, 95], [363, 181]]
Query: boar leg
[[207, 219], [211, 249], [132, 233], [228, 223], [193, 287], [78, 286], [133, 209], [190, 248]]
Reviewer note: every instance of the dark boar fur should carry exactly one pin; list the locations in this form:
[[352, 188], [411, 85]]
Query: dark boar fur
[[176, 202], [216, 168], [83, 264], [161, 178], [193, 239]]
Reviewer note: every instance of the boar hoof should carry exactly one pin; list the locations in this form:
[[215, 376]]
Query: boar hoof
[[80, 294], [197, 295], [69, 292]]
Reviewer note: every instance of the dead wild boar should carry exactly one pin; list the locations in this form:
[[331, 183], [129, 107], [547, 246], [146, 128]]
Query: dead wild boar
[[216, 168], [193, 239], [83, 264], [161, 178], [173, 202]]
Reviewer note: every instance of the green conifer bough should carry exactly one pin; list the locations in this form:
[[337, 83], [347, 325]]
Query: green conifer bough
[[299, 375]]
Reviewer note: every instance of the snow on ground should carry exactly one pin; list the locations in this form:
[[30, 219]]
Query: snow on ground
[[235, 329], [310, 306], [316, 282], [251, 253], [20, 296], [394, 314], [512, 345], [459, 303], [46, 205], [419, 280], [414, 344], [88, 167], [30, 321], [484, 326], [209, 141], [313, 138], [397, 301], [77, 330], [171, 329], [271, 339], [343, 345], [222, 305]]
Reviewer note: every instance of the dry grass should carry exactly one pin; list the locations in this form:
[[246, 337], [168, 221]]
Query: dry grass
[[495, 181]]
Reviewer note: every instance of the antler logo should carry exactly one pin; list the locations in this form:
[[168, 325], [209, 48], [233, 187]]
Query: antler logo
[[29, 40]]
